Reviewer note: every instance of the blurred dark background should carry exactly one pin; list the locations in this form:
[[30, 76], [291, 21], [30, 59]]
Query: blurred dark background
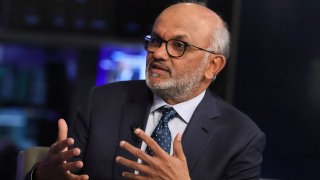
[[52, 52]]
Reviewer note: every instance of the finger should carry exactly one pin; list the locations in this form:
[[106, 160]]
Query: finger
[[177, 148], [133, 165], [62, 130], [61, 145], [70, 166], [133, 176], [153, 145], [136, 152], [78, 177], [65, 155]]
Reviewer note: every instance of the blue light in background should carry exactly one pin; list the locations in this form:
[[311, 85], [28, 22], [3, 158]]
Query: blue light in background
[[121, 62], [31, 19], [99, 24]]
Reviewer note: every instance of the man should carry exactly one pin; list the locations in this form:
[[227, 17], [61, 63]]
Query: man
[[208, 138]]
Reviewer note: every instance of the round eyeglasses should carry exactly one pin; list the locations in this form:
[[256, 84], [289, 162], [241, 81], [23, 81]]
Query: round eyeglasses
[[175, 48]]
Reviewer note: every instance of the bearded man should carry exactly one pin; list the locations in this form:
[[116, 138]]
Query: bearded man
[[169, 126]]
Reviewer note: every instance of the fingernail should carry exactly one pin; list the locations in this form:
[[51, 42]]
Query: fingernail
[[79, 164], [122, 143], [70, 141], [137, 131], [76, 151], [117, 159]]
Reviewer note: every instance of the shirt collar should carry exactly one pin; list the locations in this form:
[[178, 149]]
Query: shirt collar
[[184, 109]]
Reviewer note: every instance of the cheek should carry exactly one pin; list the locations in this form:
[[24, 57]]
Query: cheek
[[181, 69], [185, 65]]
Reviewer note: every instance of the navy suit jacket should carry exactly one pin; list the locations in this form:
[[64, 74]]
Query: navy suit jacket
[[219, 142]]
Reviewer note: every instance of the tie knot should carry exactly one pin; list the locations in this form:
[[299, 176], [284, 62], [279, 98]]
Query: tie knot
[[168, 113]]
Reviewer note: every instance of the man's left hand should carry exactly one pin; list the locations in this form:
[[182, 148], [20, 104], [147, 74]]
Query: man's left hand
[[159, 166]]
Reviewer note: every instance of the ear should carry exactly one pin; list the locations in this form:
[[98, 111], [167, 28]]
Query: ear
[[216, 64]]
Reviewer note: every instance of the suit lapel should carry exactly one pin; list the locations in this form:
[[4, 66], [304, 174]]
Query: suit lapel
[[134, 115], [201, 129]]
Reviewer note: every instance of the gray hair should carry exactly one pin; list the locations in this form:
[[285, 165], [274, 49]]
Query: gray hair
[[220, 42]]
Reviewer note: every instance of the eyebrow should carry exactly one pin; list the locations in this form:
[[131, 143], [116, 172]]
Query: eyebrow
[[181, 37]]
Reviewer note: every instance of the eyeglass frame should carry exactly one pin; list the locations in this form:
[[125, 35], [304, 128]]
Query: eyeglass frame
[[147, 40]]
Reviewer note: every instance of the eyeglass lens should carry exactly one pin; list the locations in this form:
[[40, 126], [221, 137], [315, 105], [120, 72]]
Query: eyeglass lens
[[175, 48]]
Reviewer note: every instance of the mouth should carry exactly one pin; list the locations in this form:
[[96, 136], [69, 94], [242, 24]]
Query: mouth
[[159, 68]]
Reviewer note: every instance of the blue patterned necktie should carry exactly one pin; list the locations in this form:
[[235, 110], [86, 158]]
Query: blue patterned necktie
[[161, 134]]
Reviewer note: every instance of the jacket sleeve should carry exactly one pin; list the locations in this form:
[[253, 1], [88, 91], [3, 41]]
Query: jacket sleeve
[[247, 164]]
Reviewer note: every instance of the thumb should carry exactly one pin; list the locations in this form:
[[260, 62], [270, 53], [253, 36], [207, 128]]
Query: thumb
[[62, 130], [177, 148]]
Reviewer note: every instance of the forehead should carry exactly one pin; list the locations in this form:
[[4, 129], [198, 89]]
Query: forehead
[[186, 22]]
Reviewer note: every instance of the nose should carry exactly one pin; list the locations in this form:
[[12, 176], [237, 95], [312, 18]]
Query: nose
[[161, 52]]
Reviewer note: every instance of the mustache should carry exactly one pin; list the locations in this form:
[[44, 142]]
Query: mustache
[[158, 65]]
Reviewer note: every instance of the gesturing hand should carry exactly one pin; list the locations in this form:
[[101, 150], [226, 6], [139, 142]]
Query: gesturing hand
[[160, 165], [54, 165]]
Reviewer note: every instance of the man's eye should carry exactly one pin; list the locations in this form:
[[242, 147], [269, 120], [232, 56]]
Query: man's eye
[[155, 40], [178, 44]]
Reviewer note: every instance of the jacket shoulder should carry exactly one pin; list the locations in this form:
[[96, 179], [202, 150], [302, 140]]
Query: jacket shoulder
[[136, 90], [238, 119]]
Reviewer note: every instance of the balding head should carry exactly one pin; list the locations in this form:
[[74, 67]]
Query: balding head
[[199, 19], [196, 10]]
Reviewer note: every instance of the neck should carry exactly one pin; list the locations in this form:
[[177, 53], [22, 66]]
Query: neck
[[175, 98]]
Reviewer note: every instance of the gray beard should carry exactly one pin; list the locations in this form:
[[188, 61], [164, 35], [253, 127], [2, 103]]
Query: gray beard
[[178, 88]]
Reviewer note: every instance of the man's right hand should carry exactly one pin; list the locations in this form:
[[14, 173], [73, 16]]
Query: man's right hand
[[54, 165]]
